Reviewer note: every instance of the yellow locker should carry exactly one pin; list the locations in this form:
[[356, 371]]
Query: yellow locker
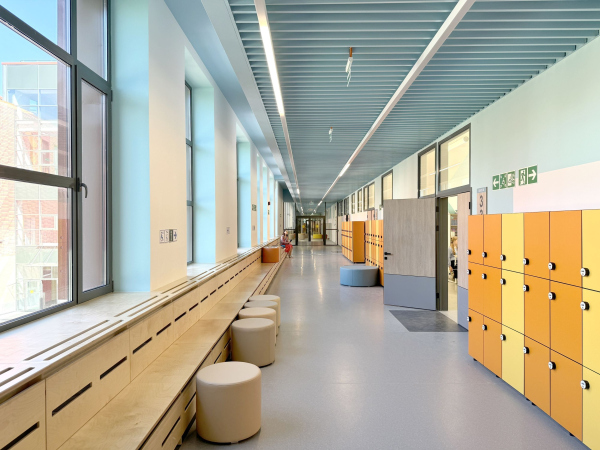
[[591, 249], [513, 359], [591, 408], [513, 301], [591, 329], [512, 242]]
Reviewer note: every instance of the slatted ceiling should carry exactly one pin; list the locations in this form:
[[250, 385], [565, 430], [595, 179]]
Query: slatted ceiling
[[497, 47]]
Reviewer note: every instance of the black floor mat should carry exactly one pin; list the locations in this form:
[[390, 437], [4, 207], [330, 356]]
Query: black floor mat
[[426, 321]]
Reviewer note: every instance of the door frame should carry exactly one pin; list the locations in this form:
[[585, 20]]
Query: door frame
[[324, 220]]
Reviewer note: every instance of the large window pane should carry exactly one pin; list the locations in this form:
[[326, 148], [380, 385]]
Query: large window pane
[[427, 173], [353, 203], [360, 201], [48, 17], [188, 158], [34, 107], [454, 162], [190, 233], [387, 183], [94, 176], [91, 34], [372, 195], [35, 248], [188, 113]]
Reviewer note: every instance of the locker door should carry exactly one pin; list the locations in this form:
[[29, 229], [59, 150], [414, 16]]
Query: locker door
[[537, 310], [475, 287], [591, 409], [566, 394], [565, 246], [566, 321], [537, 375], [475, 239], [492, 346], [513, 307], [492, 293], [476, 335], [537, 243], [591, 249], [492, 240], [591, 330], [512, 242], [513, 362]]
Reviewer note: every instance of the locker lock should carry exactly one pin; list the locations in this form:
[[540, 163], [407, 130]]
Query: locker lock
[[483, 276], [502, 337], [502, 258], [484, 327], [585, 272], [551, 295], [502, 281], [526, 350], [484, 254], [468, 271], [551, 365], [525, 261], [551, 266], [525, 288], [468, 252], [584, 384], [585, 306], [468, 318]]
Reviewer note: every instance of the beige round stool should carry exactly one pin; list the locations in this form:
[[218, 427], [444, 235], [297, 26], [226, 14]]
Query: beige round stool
[[253, 341], [228, 402], [266, 304], [264, 313], [269, 298]]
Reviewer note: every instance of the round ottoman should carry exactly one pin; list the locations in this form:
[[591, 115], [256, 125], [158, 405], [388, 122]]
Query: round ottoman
[[228, 402], [359, 275], [253, 341], [266, 304], [267, 297], [263, 313]]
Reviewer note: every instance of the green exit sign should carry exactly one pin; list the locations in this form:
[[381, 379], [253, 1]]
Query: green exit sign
[[527, 175]]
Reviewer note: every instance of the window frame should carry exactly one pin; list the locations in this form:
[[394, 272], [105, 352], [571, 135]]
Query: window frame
[[430, 148], [368, 207], [190, 142], [459, 189], [359, 201], [353, 204], [78, 73], [388, 173]]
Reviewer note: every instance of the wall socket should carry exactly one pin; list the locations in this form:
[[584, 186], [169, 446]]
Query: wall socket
[[167, 236]]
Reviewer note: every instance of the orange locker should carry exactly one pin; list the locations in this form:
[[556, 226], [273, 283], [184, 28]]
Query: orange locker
[[590, 241], [566, 320], [475, 287], [492, 346], [565, 247], [475, 239], [537, 309], [566, 398], [492, 293], [476, 335], [537, 244], [537, 375], [492, 240]]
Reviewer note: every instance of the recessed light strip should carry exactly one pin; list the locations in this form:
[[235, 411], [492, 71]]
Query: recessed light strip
[[453, 19], [265, 34]]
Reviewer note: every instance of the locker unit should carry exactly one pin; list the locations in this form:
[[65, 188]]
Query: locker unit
[[566, 394], [476, 335], [565, 247], [513, 307], [513, 361], [590, 246], [492, 240], [566, 325], [591, 408], [591, 329], [492, 346], [492, 293], [353, 241], [536, 234], [374, 245], [537, 375], [475, 287], [475, 249], [537, 309], [512, 242]]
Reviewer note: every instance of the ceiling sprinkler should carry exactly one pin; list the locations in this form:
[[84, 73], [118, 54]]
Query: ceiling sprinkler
[[330, 134]]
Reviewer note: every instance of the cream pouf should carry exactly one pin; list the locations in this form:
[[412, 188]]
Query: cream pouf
[[266, 304], [253, 341], [228, 402], [269, 298], [263, 313]]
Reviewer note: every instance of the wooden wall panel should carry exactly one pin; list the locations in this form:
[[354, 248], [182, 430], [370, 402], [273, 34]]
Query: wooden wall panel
[[464, 211]]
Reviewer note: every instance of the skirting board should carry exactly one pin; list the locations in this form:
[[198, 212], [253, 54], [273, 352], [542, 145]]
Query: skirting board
[[463, 307], [409, 291]]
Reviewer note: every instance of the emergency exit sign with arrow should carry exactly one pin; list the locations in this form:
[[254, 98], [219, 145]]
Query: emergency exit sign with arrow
[[527, 175]]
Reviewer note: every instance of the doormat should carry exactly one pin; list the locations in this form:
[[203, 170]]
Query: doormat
[[426, 321]]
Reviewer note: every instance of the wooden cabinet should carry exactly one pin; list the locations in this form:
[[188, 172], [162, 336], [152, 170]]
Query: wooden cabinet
[[492, 293], [374, 255], [590, 240], [492, 240], [513, 308], [537, 374], [23, 420], [566, 394], [513, 246], [353, 241], [565, 247], [476, 335], [513, 362], [475, 249], [537, 309], [492, 346], [537, 244], [566, 320]]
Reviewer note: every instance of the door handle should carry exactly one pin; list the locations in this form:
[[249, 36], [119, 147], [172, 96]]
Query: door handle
[[82, 186], [387, 253]]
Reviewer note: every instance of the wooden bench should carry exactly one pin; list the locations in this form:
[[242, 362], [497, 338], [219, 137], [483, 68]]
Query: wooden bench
[[134, 388]]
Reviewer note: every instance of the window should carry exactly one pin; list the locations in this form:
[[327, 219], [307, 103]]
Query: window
[[387, 186], [188, 169], [346, 209], [369, 194], [454, 161], [353, 203], [54, 226], [427, 172], [360, 200]]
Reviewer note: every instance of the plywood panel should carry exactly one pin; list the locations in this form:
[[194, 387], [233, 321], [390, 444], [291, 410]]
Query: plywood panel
[[409, 230], [464, 201], [23, 418]]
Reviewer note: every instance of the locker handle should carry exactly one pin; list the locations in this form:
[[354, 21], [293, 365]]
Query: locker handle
[[585, 306], [525, 350], [525, 261], [484, 254], [551, 365], [484, 327], [585, 272], [483, 276], [502, 258], [551, 296], [584, 384], [502, 281], [468, 318], [502, 337], [468, 271], [525, 288], [551, 266], [468, 252]]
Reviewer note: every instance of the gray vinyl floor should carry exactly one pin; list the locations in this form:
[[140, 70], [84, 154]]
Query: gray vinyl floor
[[348, 375]]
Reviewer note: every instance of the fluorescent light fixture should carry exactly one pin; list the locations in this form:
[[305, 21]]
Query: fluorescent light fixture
[[265, 34], [344, 169]]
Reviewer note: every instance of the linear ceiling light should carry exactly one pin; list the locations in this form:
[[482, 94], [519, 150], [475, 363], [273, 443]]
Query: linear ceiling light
[[265, 34], [453, 19]]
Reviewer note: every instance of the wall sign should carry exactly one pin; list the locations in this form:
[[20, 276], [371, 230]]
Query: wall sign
[[481, 201], [527, 175], [253, 207]]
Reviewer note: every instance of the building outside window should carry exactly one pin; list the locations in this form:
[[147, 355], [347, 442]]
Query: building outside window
[[360, 200], [353, 209], [387, 186], [369, 193], [189, 152], [454, 171], [427, 172]]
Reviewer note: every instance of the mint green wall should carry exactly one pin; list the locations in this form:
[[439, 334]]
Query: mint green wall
[[244, 186]]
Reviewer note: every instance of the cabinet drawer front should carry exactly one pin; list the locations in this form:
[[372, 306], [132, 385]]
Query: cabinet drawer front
[[23, 420], [80, 390], [150, 338]]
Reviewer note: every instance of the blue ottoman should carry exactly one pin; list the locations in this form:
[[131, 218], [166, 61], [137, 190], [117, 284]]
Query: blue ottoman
[[359, 275]]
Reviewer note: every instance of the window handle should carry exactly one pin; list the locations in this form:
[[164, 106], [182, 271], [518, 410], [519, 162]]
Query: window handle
[[83, 186]]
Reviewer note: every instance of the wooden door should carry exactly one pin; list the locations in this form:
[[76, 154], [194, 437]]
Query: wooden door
[[492, 240], [475, 239], [476, 336], [464, 211], [537, 244], [410, 248], [512, 242], [565, 247], [566, 321], [492, 346], [513, 363], [537, 375], [537, 309], [591, 249], [566, 398]]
